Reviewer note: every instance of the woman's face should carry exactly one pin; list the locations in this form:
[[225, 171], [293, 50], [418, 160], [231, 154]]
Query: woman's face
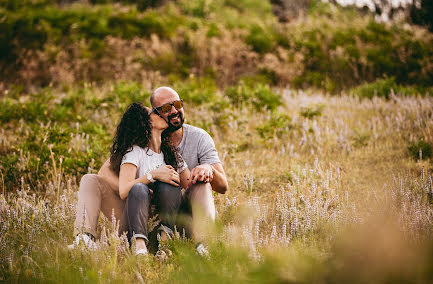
[[157, 121]]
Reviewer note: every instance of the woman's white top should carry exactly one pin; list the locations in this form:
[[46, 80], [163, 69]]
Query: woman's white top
[[146, 160]]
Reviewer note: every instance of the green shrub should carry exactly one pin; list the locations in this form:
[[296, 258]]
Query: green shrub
[[238, 95], [278, 125], [20, 4], [260, 39], [361, 138], [213, 31], [257, 7], [260, 96], [38, 144], [425, 148], [197, 91], [342, 48], [200, 8], [31, 108], [383, 87], [265, 97], [172, 64], [264, 76], [312, 111], [32, 27], [127, 93]]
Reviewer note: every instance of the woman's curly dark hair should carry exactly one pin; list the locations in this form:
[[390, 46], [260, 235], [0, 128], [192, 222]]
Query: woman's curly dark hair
[[135, 128]]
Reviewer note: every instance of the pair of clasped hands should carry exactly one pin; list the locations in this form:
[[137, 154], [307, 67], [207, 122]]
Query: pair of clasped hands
[[167, 174]]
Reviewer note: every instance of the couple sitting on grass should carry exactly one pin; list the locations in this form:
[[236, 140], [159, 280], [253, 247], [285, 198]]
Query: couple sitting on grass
[[155, 159]]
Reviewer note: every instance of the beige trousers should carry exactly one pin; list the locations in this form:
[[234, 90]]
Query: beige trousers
[[94, 196], [201, 202]]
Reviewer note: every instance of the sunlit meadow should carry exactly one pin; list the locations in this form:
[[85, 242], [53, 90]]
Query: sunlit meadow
[[322, 117], [322, 188]]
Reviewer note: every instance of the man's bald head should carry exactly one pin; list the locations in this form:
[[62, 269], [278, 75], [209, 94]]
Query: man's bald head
[[166, 95], [161, 94]]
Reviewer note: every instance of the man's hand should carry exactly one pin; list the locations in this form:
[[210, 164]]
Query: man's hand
[[202, 173], [166, 174]]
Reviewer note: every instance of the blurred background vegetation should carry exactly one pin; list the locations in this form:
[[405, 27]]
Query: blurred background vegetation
[[297, 44]]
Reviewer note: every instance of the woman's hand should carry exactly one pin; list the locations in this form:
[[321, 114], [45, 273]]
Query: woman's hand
[[166, 174]]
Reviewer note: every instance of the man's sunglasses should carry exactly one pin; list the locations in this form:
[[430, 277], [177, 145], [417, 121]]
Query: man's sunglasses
[[167, 107]]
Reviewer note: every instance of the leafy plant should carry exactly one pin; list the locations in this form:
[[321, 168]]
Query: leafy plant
[[260, 39], [278, 125], [260, 96], [384, 87], [420, 150], [197, 91], [312, 111]]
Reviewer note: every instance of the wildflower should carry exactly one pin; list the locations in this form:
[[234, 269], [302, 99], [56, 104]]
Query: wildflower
[[273, 233]]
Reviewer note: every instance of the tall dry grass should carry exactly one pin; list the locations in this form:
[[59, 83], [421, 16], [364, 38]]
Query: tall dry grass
[[329, 193]]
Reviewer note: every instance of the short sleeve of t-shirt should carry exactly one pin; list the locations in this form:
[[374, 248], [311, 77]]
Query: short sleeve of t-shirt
[[132, 157], [207, 152]]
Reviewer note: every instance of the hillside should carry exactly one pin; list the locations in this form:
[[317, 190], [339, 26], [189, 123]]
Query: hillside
[[330, 48]]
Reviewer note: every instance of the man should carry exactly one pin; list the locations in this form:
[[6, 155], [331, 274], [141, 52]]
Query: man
[[197, 149]]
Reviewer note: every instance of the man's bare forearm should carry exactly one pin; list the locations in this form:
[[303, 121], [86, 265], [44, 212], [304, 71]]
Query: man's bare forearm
[[219, 182], [184, 178], [109, 175]]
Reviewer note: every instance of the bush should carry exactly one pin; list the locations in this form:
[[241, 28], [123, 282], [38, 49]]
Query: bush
[[278, 125], [425, 148], [342, 49], [312, 111], [197, 91], [52, 126], [260, 96], [265, 97], [384, 87], [30, 108], [260, 39], [238, 95], [127, 93], [379, 88], [32, 28]]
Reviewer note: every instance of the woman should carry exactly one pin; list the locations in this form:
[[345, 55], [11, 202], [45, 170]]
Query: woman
[[142, 157]]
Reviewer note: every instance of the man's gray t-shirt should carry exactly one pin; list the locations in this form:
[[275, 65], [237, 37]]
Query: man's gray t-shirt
[[197, 147]]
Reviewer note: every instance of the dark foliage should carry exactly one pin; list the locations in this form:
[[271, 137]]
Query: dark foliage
[[423, 14]]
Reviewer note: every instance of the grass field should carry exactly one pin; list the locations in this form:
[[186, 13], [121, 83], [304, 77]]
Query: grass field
[[324, 125], [322, 188]]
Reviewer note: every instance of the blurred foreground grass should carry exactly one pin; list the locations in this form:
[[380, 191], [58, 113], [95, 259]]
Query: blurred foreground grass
[[322, 188]]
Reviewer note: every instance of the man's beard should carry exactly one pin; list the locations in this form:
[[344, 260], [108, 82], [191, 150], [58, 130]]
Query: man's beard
[[173, 127]]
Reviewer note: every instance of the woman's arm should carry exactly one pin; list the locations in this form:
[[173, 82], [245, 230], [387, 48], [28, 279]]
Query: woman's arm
[[128, 172], [127, 179]]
